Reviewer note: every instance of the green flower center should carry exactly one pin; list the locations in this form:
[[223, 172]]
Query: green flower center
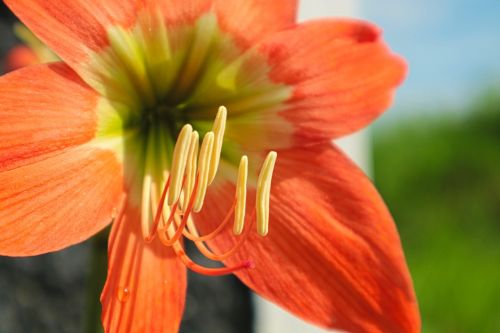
[[157, 77]]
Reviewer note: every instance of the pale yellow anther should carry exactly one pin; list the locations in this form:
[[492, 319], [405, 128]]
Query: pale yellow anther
[[191, 168], [145, 205], [203, 169], [263, 191], [241, 196], [179, 161], [218, 128], [147, 185]]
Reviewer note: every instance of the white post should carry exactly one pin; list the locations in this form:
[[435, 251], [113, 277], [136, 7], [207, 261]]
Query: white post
[[269, 317]]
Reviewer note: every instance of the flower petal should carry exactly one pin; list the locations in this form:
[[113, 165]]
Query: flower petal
[[250, 20], [58, 201], [146, 285], [72, 28], [181, 11], [75, 29], [45, 109], [56, 190], [342, 73], [120, 48], [333, 255]]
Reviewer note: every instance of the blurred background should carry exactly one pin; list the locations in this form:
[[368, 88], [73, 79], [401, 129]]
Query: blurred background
[[435, 158]]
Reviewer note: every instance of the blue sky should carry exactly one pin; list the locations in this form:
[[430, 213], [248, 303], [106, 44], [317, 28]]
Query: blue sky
[[452, 47]]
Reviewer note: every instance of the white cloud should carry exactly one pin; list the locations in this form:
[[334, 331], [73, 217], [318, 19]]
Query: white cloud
[[327, 8]]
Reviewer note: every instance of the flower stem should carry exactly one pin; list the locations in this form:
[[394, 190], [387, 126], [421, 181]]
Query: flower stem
[[95, 282]]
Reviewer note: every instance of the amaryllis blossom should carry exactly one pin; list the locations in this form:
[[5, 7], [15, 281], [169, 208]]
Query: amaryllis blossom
[[128, 129]]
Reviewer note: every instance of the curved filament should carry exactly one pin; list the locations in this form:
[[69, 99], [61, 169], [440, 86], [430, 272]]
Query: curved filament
[[192, 234], [159, 212], [203, 248]]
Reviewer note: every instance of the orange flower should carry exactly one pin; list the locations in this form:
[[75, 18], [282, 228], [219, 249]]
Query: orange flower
[[20, 56], [92, 140]]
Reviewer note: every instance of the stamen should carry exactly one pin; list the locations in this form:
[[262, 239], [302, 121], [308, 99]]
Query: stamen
[[146, 186], [145, 208], [241, 196], [263, 191], [209, 271], [179, 160], [204, 168], [190, 169], [169, 237], [218, 128], [171, 216], [172, 239], [159, 211], [193, 168], [192, 233], [163, 230], [220, 257]]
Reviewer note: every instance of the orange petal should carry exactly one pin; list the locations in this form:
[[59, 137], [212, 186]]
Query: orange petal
[[146, 285], [58, 201], [18, 57], [342, 73], [71, 28], [55, 192], [44, 109], [333, 255], [181, 11], [251, 20]]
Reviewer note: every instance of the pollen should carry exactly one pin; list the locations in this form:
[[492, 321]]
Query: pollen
[[168, 208]]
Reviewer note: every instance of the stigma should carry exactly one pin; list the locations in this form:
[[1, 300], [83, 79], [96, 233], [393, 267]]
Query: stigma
[[167, 214]]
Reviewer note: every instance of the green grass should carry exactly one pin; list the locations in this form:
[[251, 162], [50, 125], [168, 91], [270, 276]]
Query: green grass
[[441, 179]]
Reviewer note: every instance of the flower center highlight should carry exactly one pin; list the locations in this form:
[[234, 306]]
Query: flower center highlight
[[193, 169]]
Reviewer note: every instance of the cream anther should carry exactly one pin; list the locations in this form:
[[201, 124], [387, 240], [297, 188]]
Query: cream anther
[[191, 167], [241, 196], [145, 208], [203, 169], [263, 191], [179, 159], [147, 182], [218, 128]]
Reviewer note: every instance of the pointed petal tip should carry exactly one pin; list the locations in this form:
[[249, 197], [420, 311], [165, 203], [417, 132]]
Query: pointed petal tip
[[352, 82]]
